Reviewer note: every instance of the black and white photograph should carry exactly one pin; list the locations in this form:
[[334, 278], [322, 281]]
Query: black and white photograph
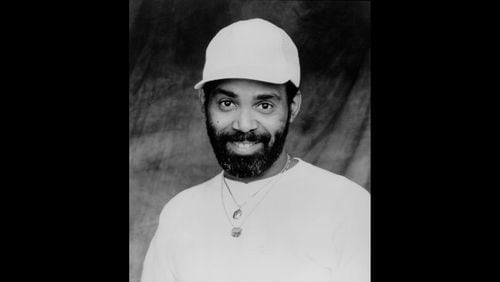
[[249, 141], [261, 141]]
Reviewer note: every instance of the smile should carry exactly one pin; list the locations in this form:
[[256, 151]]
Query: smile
[[245, 147]]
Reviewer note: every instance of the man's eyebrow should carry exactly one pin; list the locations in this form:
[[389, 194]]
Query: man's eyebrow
[[268, 96], [265, 96], [225, 92]]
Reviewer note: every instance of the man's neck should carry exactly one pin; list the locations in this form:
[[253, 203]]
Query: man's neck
[[275, 169]]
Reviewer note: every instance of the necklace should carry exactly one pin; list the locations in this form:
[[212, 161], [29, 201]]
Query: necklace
[[237, 230], [239, 212]]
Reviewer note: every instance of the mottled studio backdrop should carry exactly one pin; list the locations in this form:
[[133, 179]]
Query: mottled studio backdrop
[[169, 149]]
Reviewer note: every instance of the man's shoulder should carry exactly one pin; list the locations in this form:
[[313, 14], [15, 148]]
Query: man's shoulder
[[192, 196], [327, 181], [178, 212], [331, 193]]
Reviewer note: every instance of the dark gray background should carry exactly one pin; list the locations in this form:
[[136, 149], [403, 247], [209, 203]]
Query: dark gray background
[[169, 149]]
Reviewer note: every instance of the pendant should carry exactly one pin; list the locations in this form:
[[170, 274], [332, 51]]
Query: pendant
[[236, 231], [237, 214]]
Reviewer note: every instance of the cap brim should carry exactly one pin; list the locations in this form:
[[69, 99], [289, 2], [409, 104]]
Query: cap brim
[[282, 80], [199, 85]]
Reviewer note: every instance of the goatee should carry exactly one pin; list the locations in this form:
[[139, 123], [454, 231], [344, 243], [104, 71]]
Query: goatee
[[246, 166]]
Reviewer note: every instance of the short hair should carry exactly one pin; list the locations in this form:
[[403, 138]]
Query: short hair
[[290, 89]]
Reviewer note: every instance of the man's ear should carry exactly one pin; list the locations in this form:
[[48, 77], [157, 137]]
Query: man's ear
[[201, 95], [295, 106]]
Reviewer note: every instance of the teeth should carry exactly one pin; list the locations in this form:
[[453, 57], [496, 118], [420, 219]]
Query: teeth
[[244, 145]]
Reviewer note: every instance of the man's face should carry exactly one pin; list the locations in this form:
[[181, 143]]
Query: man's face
[[247, 123]]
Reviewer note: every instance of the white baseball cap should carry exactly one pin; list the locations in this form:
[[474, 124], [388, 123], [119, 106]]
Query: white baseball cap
[[252, 49]]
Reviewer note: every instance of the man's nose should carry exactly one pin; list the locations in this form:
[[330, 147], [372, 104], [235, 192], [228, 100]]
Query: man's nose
[[245, 121]]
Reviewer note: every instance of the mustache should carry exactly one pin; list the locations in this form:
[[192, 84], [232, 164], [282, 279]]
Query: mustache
[[250, 136]]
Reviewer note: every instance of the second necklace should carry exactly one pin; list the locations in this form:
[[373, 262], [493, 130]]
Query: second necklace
[[237, 229], [239, 212]]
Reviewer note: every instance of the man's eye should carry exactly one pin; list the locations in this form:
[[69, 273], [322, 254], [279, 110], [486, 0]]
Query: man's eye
[[266, 106], [226, 104]]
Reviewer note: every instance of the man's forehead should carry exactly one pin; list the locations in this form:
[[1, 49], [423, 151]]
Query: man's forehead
[[240, 87]]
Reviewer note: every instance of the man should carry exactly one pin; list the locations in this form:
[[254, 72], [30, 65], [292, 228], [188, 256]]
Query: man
[[267, 216]]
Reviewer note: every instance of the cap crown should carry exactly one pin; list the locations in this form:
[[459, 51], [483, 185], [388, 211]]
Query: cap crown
[[252, 49]]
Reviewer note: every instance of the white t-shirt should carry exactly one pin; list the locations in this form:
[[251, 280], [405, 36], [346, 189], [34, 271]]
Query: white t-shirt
[[306, 224]]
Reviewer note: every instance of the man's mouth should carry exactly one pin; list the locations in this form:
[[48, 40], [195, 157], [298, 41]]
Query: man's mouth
[[244, 147]]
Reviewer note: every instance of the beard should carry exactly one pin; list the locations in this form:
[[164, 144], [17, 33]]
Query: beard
[[246, 166]]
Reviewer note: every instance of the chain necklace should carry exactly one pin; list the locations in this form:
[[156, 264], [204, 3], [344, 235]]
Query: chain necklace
[[237, 230], [238, 213]]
